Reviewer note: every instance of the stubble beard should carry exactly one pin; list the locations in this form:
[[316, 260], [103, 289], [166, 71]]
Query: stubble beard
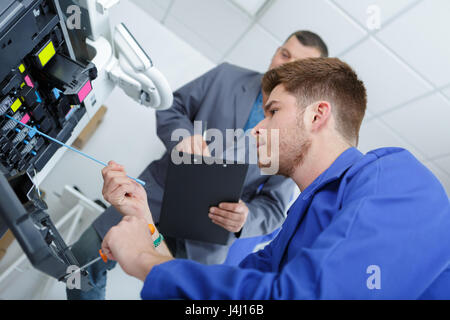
[[293, 148]]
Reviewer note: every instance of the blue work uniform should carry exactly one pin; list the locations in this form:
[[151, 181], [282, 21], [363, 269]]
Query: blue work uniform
[[374, 226]]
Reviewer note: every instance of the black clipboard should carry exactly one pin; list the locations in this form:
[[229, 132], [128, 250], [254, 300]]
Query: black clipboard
[[191, 189]]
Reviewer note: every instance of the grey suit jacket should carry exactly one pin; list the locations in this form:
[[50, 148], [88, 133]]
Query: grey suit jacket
[[223, 98]]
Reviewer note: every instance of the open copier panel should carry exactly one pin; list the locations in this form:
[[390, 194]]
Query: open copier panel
[[42, 86]]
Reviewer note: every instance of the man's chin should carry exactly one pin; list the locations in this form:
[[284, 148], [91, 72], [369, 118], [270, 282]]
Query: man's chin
[[262, 165], [268, 168]]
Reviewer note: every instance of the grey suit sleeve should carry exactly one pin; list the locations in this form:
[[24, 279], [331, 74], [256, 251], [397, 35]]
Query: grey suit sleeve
[[187, 101], [267, 210]]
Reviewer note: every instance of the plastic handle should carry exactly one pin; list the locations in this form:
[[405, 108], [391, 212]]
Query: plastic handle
[[104, 257]]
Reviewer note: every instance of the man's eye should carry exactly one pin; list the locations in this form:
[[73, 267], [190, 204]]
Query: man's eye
[[272, 112], [285, 54]]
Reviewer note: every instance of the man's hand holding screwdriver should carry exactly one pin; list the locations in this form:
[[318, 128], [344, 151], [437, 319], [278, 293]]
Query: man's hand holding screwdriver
[[130, 243]]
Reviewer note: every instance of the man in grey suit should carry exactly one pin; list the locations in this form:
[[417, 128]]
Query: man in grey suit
[[227, 97]]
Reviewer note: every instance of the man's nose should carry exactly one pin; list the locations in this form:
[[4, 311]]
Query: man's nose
[[256, 130]]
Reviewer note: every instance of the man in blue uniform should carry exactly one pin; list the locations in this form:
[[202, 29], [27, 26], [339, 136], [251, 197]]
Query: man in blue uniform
[[226, 97], [371, 226]]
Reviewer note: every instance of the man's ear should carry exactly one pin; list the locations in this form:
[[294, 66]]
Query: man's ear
[[321, 114]]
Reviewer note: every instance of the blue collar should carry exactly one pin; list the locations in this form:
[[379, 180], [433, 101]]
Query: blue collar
[[347, 159]]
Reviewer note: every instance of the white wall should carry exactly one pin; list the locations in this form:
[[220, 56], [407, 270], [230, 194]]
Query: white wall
[[127, 135]]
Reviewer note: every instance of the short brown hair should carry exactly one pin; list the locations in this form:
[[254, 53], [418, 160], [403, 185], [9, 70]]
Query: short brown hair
[[311, 39], [328, 79]]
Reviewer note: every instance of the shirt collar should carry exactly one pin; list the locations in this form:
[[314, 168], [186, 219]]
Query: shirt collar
[[347, 159]]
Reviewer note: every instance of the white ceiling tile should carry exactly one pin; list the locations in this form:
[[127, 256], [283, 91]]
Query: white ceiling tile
[[388, 82], [162, 3], [288, 16], [250, 6], [447, 92], [425, 123], [217, 22], [255, 50], [421, 38], [359, 8], [152, 8], [442, 176], [444, 163], [193, 39], [375, 134], [368, 115]]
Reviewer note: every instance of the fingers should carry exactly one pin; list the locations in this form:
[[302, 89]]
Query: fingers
[[230, 225], [116, 183], [106, 251], [231, 216], [224, 214], [181, 147], [185, 145], [193, 145], [122, 195], [115, 165], [116, 234], [112, 166], [234, 207], [113, 181], [206, 149], [128, 218], [231, 221], [106, 244], [197, 145], [118, 187], [112, 170]]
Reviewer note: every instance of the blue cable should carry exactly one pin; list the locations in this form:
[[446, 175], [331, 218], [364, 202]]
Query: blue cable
[[70, 148]]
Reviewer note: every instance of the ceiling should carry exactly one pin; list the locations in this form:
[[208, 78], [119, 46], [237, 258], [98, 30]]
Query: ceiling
[[405, 63]]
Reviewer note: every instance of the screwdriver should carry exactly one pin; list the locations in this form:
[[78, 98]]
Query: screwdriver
[[104, 257]]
